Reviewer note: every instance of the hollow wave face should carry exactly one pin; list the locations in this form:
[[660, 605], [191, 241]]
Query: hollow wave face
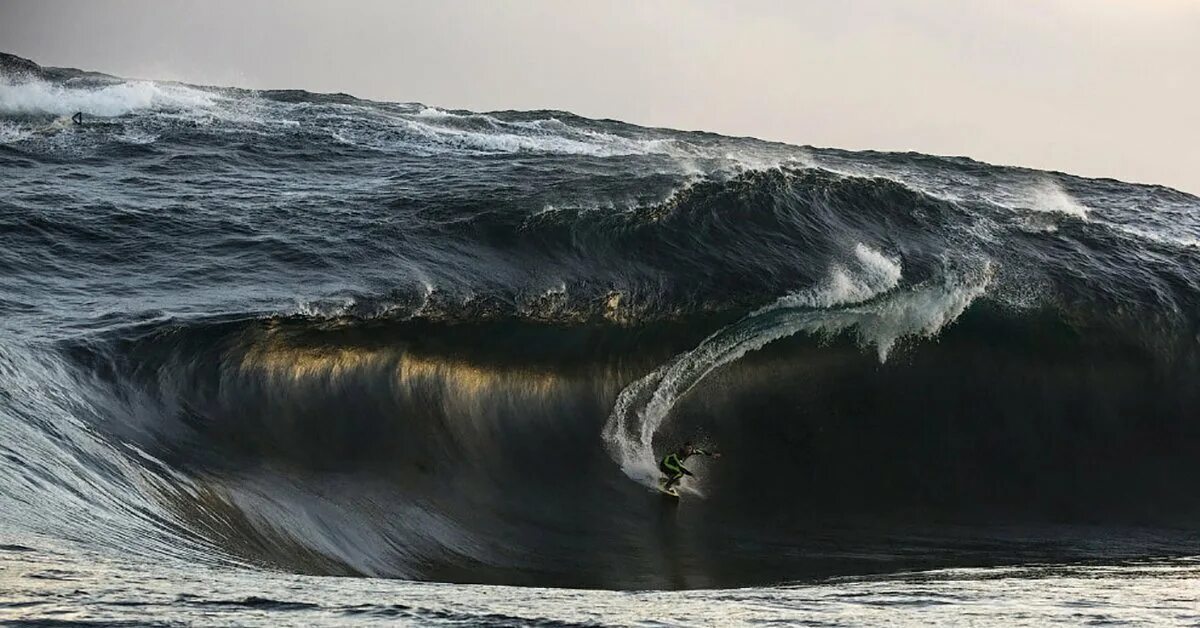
[[312, 333]]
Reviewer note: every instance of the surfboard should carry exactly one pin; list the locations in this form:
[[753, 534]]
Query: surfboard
[[667, 492]]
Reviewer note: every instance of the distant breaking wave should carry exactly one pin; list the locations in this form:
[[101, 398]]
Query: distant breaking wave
[[313, 333]]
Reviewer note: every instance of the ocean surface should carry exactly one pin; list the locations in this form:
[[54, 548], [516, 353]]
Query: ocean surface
[[285, 358]]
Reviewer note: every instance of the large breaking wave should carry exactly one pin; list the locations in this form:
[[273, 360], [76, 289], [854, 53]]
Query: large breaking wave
[[314, 333]]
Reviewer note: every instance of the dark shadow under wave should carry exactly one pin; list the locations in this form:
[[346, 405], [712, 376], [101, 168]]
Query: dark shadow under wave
[[471, 452]]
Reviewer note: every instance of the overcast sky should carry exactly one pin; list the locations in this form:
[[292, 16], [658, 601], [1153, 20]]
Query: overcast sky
[[1092, 87]]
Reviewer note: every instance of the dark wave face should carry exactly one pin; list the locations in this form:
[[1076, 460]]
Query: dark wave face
[[325, 335]]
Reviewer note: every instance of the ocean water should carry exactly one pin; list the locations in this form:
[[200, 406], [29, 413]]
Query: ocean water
[[276, 357]]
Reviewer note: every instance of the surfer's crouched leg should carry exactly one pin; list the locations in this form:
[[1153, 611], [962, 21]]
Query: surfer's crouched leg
[[671, 479], [672, 473]]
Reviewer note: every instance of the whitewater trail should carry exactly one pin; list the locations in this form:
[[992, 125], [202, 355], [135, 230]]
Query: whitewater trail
[[644, 407]]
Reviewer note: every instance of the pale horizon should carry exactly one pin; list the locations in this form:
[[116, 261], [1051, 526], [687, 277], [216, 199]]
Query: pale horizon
[[1097, 88]]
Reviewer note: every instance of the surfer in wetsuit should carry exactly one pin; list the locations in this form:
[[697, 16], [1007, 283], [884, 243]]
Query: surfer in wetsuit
[[672, 465], [77, 118]]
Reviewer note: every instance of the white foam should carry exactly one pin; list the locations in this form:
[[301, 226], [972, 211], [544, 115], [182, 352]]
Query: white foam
[[138, 137], [1048, 195], [434, 112], [645, 405], [324, 308], [873, 273], [513, 140], [40, 97], [742, 159], [10, 133], [552, 135], [1184, 241]]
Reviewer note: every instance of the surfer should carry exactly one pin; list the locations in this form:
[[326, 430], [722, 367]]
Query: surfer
[[672, 464], [77, 118]]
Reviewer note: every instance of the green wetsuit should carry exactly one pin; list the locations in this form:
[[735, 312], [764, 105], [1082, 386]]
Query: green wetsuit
[[672, 465]]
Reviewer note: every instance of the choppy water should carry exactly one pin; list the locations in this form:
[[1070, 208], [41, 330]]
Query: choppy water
[[58, 590], [250, 340]]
